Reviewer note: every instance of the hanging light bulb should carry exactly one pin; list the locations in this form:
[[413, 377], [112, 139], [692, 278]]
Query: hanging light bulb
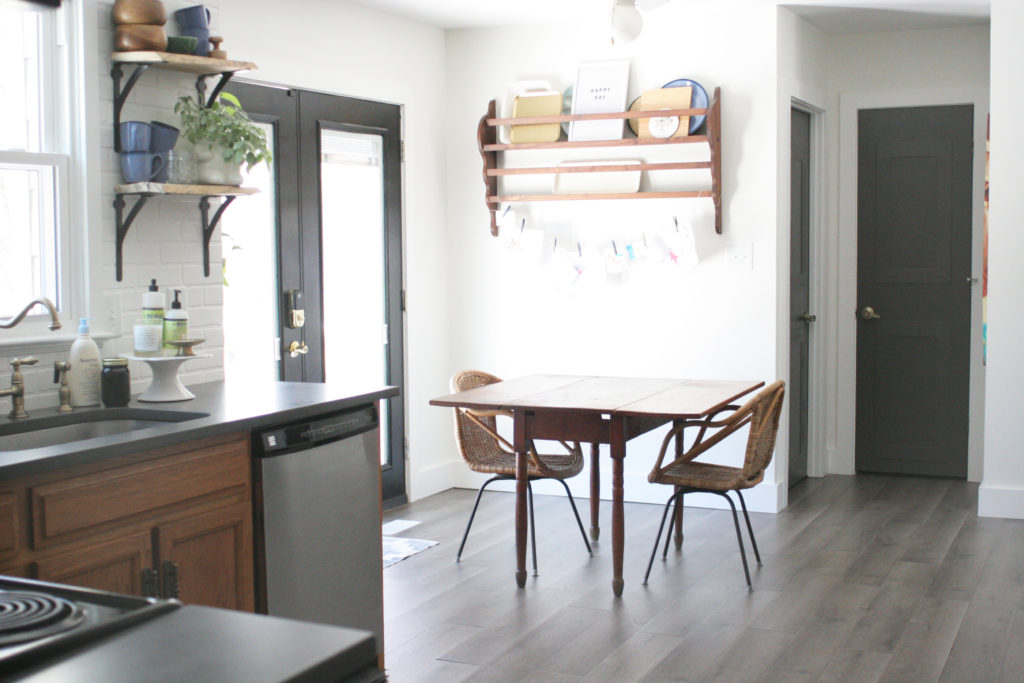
[[626, 21]]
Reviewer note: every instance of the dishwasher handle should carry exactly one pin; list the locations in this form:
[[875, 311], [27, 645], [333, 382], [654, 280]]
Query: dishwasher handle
[[299, 436]]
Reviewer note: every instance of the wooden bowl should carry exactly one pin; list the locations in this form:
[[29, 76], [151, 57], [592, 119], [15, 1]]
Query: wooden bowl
[[133, 37], [139, 12]]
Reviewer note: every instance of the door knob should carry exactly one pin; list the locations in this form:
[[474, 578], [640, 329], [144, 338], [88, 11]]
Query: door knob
[[295, 349], [868, 313], [808, 317]]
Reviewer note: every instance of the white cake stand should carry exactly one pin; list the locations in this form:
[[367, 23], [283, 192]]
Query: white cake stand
[[166, 386]]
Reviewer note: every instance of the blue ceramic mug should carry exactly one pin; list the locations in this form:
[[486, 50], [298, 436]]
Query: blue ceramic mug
[[136, 136], [163, 136], [196, 16], [202, 36], [141, 167]]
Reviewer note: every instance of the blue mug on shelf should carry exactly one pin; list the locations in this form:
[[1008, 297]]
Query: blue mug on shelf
[[202, 36], [163, 136], [196, 16], [136, 136], [141, 167]]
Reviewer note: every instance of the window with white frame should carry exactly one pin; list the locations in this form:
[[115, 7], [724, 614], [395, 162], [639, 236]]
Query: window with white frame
[[34, 156]]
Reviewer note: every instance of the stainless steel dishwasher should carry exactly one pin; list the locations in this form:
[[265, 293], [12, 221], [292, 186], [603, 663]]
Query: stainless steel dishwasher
[[318, 517]]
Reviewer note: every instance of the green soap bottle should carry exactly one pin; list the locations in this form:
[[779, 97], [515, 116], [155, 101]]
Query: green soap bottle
[[175, 322], [153, 304]]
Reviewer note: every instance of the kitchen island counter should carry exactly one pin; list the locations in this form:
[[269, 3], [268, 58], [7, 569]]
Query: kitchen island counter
[[230, 408]]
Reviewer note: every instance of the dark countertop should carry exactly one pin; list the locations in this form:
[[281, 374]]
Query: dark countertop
[[231, 408], [195, 643]]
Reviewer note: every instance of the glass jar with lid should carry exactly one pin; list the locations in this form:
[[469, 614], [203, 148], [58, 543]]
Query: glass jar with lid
[[115, 383]]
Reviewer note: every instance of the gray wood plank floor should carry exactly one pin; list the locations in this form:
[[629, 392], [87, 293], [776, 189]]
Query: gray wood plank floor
[[865, 578]]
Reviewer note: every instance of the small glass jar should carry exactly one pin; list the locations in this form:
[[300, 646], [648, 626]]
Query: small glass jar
[[115, 383]]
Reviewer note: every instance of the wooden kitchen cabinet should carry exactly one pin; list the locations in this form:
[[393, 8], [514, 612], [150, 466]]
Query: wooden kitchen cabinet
[[175, 522]]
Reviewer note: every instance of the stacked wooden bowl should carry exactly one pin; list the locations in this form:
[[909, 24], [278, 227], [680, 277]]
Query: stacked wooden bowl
[[139, 25]]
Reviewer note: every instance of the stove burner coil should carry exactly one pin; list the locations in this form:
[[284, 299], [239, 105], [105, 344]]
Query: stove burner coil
[[26, 616]]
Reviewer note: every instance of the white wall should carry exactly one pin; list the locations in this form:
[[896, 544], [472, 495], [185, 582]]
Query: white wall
[[891, 70], [512, 314], [1002, 489]]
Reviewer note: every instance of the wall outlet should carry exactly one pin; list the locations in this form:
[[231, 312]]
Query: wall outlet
[[741, 256]]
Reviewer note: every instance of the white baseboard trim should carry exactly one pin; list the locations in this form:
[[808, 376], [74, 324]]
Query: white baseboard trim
[[997, 501], [765, 497], [431, 480]]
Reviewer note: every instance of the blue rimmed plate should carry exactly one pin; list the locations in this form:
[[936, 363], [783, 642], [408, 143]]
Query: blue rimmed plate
[[698, 100]]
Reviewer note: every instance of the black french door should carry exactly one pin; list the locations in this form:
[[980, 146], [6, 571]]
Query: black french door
[[339, 252]]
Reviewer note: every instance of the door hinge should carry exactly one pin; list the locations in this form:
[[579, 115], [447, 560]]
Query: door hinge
[[401, 148], [402, 298], [149, 583], [170, 579]]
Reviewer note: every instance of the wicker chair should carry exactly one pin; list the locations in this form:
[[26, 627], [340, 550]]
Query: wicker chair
[[484, 450], [689, 476]]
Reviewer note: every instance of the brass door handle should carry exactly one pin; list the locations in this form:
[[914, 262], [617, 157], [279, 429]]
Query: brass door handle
[[868, 313], [296, 348], [808, 317]]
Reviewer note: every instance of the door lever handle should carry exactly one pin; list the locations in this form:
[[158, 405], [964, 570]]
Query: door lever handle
[[296, 349], [868, 313], [808, 317]]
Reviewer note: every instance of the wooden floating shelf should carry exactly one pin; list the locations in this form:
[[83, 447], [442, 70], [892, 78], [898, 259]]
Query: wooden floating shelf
[[189, 190], [489, 147], [695, 194], [178, 62]]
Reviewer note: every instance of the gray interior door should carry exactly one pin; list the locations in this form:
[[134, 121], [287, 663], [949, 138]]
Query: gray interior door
[[801, 317], [913, 289]]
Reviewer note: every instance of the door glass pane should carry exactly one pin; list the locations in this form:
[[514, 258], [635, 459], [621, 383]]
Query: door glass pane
[[249, 254], [352, 224]]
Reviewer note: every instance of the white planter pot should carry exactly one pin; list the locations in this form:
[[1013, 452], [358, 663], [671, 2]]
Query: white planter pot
[[212, 169]]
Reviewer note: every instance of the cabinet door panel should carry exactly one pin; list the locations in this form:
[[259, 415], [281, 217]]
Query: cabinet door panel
[[95, 502], [112, 566], [213, 554], [8, 524]]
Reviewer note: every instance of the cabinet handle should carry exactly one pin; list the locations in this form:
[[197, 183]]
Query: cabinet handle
[[170, 579], [149, 583]]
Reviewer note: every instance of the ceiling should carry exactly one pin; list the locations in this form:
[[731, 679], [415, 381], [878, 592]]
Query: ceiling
[[832, 16]]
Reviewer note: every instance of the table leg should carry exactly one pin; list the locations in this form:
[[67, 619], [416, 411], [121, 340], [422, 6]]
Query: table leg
[[521, 514], [679, 503], [618, 452], [595, 490]]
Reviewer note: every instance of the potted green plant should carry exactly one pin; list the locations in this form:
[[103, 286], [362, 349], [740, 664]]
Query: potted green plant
[[224, 137]]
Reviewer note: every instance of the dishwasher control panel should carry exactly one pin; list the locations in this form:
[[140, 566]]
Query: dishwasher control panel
[[301, 435]]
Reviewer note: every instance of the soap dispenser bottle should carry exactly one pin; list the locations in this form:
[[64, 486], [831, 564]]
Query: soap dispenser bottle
[[175, 322], [84, 375], [153, 304]]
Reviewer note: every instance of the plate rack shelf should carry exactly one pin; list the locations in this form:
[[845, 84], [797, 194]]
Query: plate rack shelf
[[203, 68], [490, 149]]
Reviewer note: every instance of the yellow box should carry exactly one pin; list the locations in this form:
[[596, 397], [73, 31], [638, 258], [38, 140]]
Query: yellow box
[[544, 103]]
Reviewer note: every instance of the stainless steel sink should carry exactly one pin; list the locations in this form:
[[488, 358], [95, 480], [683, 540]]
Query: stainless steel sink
[[53, 430]]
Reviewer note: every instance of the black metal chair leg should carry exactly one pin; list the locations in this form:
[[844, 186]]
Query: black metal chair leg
[[533, 529], [472, 514], [657, 540], [672, 522], [739, 538], [750, 529], [579, 522]]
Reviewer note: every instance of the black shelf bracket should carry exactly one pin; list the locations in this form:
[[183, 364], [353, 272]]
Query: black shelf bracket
[[201, 87], [120, 96], [210, 225], [124, 224]]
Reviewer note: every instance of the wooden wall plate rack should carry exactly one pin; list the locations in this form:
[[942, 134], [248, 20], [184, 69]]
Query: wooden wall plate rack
[[487, 143]]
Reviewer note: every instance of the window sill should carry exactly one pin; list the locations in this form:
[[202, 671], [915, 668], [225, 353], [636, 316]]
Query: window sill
[[54, 342]]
